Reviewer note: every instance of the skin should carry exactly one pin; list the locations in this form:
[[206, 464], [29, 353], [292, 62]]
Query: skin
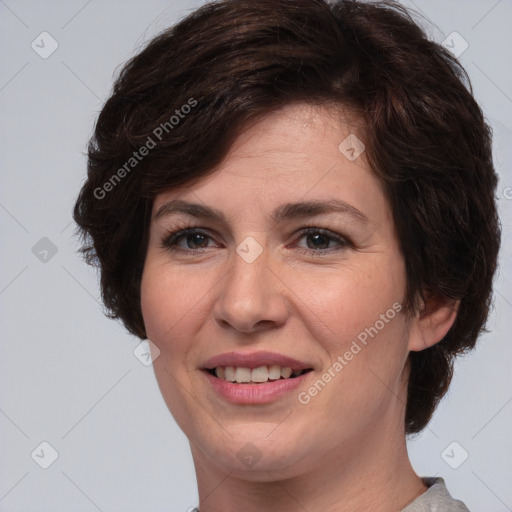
[[345, 450]]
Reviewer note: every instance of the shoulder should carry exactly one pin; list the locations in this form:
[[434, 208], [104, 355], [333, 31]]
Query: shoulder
[[435, 499]]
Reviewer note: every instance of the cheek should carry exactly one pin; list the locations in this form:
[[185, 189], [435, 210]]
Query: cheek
[[168, 303], [363, 331], [341, 303], [171, 311]]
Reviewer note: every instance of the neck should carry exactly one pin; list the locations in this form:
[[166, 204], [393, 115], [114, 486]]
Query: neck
[[369, 473]]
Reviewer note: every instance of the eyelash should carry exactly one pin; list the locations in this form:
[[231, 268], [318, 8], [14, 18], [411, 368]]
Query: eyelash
[[169, 241]]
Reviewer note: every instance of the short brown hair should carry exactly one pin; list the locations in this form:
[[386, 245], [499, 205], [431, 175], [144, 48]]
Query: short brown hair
[[233, 61]]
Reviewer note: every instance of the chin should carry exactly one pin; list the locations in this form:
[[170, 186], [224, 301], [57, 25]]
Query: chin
[[258, 457]]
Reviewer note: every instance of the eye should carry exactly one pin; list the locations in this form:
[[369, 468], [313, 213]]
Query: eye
[[193, 241], [321, 241], [190, 239]]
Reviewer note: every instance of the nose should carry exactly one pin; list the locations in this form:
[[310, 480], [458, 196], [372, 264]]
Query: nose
[[251, 297]]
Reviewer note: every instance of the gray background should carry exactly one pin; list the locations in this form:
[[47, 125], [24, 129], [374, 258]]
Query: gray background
[[69, 375]]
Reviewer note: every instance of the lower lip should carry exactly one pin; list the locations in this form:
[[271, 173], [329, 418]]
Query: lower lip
[[255, 393]]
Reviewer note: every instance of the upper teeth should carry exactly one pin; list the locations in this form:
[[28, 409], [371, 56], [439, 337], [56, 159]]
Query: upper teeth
[[261, 374]]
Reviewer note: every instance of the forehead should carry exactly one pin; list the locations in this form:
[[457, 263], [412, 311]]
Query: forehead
[[300, 152]]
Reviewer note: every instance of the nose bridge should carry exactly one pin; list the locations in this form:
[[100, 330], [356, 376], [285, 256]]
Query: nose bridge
[[249, 297], [247, 279], [249, 267]]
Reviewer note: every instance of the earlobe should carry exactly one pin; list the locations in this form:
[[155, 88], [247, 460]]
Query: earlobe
[[432, 322]]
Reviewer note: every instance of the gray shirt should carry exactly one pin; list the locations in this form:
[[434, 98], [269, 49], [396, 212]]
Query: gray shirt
[[435, 499]]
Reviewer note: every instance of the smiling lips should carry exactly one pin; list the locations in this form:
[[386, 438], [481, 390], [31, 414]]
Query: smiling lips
[[264, 375]]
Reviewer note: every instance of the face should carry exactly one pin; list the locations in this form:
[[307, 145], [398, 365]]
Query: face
[[290, 252]]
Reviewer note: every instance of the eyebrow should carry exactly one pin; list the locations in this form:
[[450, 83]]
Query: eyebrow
[[285, 211]]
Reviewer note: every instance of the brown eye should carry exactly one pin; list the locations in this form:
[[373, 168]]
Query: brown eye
[[187, 239], [196, 238], [318, 240]]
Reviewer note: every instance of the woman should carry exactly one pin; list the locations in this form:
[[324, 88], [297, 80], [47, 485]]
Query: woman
[[295, 202]]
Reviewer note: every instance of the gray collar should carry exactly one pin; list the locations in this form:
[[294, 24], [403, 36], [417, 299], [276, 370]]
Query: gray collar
[[435, 499]]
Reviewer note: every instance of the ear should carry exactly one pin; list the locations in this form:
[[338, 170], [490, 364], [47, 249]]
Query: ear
[[432, 322]]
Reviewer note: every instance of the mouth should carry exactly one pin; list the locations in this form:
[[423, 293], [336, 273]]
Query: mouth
[[266, 385], [260, 375]]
